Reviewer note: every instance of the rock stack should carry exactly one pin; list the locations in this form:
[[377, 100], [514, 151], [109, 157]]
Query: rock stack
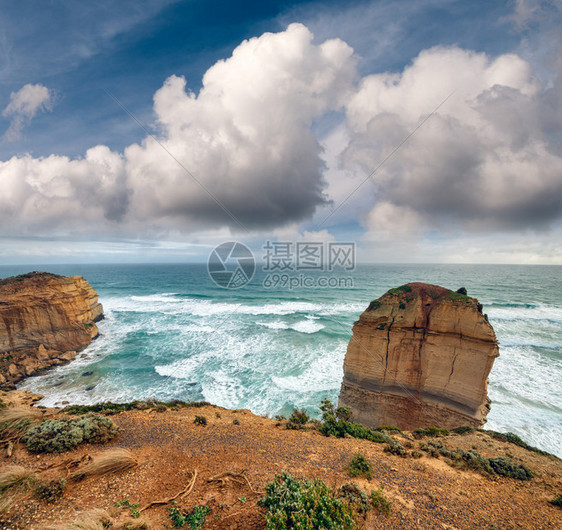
[[420, 356], [45, 319]]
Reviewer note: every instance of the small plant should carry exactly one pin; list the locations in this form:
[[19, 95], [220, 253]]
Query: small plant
[[15, 421], [304, 504], [503, 466], [557, 501], [462, 430], [360, 467], [111, 461], [379, 501], [356, 497], [298, 419], [432, 432], [200, 420], [178, 519], [394, 447], [196, 518], [16, 477], [132, 507], [235, 421], [56, 436], [218, 415], [51, 491], [242, 499]]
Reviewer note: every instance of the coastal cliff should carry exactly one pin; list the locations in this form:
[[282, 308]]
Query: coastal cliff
[[45, 319], [420, 356]]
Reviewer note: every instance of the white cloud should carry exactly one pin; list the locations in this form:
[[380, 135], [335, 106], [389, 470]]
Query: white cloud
[[24, 105], [246, 137], [484, 161]]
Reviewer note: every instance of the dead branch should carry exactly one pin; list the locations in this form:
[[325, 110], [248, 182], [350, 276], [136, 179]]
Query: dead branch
[[183, 493]]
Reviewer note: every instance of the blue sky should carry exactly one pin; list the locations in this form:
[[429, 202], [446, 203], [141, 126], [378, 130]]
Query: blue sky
[[387, 55]]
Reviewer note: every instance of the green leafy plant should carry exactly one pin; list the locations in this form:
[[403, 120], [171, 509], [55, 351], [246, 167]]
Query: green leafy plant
[[462, 430], [360, 467], [178, 519], [379, 501], [56, 436], [51, 491], [304, 504], [557, 501], [394, 447], [432, 432], [334, 423], [200, 420]]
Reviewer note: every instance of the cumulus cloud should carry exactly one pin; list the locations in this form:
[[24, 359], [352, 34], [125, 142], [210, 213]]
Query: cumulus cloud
[[243, 144], [24, 105], [486, 160], [244, 147]]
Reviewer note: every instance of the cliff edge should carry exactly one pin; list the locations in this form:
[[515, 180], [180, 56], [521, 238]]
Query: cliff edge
[[420, 356], [45, 319]]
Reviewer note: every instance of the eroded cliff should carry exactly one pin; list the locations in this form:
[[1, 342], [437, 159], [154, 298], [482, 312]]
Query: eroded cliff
[[420, 356], [45, 319]]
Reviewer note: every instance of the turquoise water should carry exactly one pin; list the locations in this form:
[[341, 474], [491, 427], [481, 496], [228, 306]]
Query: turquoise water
[[170, 333]]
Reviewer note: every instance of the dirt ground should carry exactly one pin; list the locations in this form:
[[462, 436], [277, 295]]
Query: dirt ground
[[426, 493]]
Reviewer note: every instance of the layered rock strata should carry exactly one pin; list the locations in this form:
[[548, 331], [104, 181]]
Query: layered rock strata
[[45, 319], [420, 356]]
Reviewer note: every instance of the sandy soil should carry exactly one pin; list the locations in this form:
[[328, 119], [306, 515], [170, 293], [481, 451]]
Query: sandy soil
[[425, 492]]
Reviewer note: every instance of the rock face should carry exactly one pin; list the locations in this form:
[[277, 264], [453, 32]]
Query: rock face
[[420, 356], [45, 319]]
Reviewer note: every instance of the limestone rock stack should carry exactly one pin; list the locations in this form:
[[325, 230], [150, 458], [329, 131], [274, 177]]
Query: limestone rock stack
[[44, 320], [420, 356]]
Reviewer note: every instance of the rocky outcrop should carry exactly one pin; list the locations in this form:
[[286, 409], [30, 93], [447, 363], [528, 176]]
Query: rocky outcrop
[[420, 356], [45, 319]]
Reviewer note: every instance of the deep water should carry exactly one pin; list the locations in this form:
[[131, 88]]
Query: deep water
[[171, 333]]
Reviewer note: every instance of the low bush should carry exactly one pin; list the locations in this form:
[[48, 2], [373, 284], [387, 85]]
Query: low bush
[[462, 430], [56, 436], [196, 517], [108, 407], [515, 440], [200, 420], [379, 501], [360, 467], [503, 466], [432, 432], [298, 419], [394, 447], [51, 491], [354, 496], [557, 501], [335, 424], [304, 504]]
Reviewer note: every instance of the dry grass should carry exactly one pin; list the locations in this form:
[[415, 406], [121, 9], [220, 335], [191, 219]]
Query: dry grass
[[100, 519], [16, 420], [15, 476], [112, 461], [15, 482], [92, 520]]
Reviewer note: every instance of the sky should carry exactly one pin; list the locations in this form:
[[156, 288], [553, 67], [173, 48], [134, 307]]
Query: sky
[[153, 130]]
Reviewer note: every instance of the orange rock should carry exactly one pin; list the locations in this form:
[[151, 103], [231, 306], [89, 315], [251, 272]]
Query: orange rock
[[420, 356], [44, 320]]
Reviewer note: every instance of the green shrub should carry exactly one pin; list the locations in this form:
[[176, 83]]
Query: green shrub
[[515, 440], [354, 496], [462, 430], [196, 518], [332, 425], [432, 432], [394, 447], [379, 501], [178, 519], [304, 504], [51, 491], [503, 466], [557, 501], [108, 407], [360, 467], [200, 420], [298, 419], [401, 289], [56, 436]]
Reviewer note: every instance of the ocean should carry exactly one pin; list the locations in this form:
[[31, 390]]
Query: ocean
[[170, 333]]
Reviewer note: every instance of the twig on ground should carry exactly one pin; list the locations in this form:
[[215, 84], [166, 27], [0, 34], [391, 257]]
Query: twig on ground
[[183, 493]]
